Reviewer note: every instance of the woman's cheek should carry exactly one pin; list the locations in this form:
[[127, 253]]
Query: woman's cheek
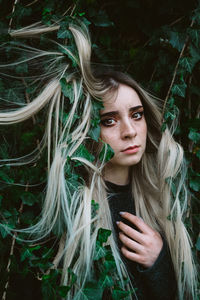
[[104, 135]]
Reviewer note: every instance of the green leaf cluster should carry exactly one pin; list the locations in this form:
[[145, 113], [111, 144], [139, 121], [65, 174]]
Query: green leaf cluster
[[159, 46], [94, 131]]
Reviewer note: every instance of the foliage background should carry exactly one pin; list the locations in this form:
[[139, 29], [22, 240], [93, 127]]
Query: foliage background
[[158, 43]]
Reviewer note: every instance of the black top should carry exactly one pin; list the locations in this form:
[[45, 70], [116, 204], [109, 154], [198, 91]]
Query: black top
[[157, 282]]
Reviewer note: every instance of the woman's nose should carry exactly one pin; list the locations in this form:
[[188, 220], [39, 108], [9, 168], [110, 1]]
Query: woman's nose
[[128, 129]]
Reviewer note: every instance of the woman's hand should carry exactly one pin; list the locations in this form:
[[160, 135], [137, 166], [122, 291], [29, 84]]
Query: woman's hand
[[141, 246]]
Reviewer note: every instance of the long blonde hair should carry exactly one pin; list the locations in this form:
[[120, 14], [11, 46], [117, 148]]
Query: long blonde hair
[[68, 209]]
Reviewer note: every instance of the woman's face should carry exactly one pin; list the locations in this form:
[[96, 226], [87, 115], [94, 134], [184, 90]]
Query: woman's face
[[123, 126]]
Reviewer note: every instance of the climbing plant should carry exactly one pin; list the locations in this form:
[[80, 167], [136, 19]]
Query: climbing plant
[[158, 43]]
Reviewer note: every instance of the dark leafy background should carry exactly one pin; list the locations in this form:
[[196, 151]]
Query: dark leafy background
[[158, 43]]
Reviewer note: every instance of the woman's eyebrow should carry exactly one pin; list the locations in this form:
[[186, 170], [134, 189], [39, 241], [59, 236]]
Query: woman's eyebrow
[[134, 108], [109, 113], [114, 113]]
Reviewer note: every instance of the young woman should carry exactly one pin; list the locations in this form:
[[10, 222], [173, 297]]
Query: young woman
[[149, 243]]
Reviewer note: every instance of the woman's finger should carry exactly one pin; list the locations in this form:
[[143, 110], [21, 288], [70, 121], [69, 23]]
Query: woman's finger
[[132, 255], [129, 243], [130, 232], [138, 222]]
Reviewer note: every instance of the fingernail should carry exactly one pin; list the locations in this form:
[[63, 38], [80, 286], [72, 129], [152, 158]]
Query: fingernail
[[117, 222], [122, 212]]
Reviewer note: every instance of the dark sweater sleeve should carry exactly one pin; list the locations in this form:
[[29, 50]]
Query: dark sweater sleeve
[[159, 281]]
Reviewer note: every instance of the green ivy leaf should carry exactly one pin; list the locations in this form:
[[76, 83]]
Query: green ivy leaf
[[103, 235], [46, 10], [95, 207], [14, 96], [3, 231], [27, 217], [107, 153], [47, 15], [195, 183], [63, 290], [73, 276], [28, 252], [63, 117], [119, 294], [177, 40], [179, 89], [97, 105], [5, 177], [21, 11], [187, 64], [84, 153], [68, 50], [31, 89], [27, 138], [106, 281], [194, 35], [173, 186], [194, 135], [72, 179], [102, 20], [7, 213], [22, 68], [64, 32], [95, 129], [100, 252], [195, 55], [169, 116], [85, 21], [163, 127], [28, 198], [102, 238], [170, 102], [91, 291], [198, 153], [94, 133], [109, 265], [66, 89], [49, 286], [197, 245]]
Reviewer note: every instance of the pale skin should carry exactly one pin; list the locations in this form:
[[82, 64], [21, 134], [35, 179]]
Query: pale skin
[[123, 126]]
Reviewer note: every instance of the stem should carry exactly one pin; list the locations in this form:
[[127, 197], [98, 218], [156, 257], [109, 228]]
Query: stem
[[191, 143], [175, 70], [13, 9], [31, 3], [189, 98], [28, 99], [11, 253]]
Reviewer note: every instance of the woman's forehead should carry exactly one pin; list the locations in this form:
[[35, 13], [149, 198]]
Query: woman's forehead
[[125, 96]]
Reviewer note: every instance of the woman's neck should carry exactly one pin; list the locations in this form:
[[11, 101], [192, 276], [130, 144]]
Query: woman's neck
[[116, 174]]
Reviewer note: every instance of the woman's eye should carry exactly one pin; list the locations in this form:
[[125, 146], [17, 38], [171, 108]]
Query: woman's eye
[[137, 115], [108, 122]]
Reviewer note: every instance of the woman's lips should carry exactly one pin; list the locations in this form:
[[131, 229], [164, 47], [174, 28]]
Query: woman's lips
[[131, 150]]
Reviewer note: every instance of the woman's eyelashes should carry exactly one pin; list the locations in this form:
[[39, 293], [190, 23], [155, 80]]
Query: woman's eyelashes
[[137, 115], [108, 122]]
